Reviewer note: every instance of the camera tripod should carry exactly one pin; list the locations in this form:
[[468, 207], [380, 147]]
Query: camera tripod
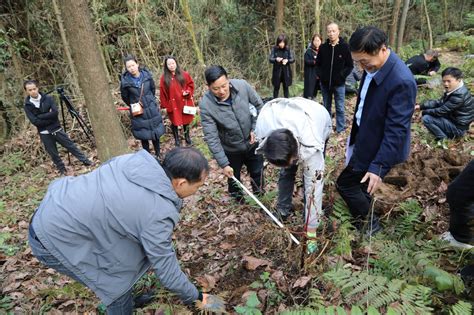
[[66, 102]]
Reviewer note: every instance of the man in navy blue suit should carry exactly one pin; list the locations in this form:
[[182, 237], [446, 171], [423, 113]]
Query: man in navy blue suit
[[380, 135]]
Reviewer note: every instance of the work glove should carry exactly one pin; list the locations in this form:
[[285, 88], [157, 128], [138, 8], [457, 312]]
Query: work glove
[[311, 244], [211, 303]]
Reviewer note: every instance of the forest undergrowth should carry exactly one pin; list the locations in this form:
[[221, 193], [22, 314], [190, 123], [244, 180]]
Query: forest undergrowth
[[235, 251]]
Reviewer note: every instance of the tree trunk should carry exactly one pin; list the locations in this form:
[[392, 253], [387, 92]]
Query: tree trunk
[[393, 26], [280, 11], [67, 50], [304, 42], [403, 20], [317, 18], [190, 27], [428, 24], [445, 16], [86, 54]]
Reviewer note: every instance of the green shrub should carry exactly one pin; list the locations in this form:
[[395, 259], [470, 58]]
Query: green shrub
[[458, 41]]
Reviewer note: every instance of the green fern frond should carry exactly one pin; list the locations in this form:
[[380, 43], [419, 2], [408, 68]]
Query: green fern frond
[[345, 231], [416, 299], [357, 287], [393, 260], [410, 218], [341, 211], [461, 308], [327, 310], [316, 299]]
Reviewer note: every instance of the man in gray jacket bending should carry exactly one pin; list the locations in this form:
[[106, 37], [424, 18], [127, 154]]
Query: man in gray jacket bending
[[106, 228], [229, 112]]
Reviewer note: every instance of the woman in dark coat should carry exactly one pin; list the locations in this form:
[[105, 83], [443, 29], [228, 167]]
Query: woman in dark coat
[[281, 57], [311, 80], [137, 86]]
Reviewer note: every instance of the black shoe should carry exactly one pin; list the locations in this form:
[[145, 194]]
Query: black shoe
[[366, 228], [283, 216], [143, 299], [88, 162], [374, 228], [240, 200], [187, 138], [177, 140]]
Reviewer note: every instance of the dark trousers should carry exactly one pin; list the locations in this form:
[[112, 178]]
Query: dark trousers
[[156, 146], [353, 192], [276, 88], [312, 94], [286, 184], [254, 164], [460, 197], [49, 142], [442, 127]]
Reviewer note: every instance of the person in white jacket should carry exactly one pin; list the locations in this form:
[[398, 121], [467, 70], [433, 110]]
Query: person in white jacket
[[293, 132]]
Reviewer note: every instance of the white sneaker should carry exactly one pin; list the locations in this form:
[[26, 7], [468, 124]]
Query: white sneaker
[[447, 236]]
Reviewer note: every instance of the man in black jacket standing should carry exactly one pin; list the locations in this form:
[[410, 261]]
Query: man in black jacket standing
[[450, 116], [43, 113], [333, 65]]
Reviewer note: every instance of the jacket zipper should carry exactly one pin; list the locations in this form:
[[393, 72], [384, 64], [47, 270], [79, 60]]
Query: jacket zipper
[[332, 61], [241, 129]]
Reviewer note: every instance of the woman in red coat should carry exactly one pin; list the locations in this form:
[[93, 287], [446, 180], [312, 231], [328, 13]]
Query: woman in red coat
[[176, 91]]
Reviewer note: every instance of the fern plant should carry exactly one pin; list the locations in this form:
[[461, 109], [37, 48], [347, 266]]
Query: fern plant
[[377, 291], [409, 221], [345, 233], [461, 308]]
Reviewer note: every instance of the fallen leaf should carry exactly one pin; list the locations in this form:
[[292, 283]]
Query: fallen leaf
[[430, 212], [226, 245], [252, 263], [23, 224], [11, 287], [301, 282], [186, 256], [442, 187], [207, 282], [66, 304], [16, 295]]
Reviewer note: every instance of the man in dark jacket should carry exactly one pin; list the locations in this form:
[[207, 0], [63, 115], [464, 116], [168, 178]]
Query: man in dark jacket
[[425, 64], [229, 112], [105, 229], [41, 110], [450, 116], [333, 65], [380, 135], [460, 197]]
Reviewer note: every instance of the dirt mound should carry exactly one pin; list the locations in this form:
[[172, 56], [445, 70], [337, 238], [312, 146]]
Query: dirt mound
[[426, 174]]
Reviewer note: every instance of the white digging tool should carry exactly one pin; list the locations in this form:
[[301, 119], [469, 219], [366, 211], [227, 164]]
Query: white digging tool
[[293, 238]]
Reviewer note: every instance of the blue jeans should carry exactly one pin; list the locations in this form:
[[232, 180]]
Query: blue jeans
[[339, 99], [442, 127], [121, 306]]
